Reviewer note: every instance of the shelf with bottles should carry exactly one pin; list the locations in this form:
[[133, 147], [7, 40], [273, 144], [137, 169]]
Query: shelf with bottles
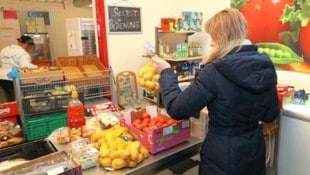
[[185, 70], [176, 31], [186, 78], [153, 97], [196, 58]]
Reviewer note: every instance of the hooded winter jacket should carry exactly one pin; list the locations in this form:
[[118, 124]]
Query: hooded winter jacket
[[239, 90]]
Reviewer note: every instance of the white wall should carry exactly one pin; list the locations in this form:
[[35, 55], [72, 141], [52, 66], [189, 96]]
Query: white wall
[[296, 79], [125, 50]]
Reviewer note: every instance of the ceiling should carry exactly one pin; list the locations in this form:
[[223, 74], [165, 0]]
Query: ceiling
[[53, 1]]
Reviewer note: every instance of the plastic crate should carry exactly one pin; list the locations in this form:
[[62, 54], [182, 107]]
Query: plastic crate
[[27, 150], [45, 104], [42, 126]]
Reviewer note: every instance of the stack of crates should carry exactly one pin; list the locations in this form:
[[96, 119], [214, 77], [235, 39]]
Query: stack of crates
[[43, 106]]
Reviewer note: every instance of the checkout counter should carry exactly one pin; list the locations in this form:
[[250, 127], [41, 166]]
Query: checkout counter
[[154, 163]]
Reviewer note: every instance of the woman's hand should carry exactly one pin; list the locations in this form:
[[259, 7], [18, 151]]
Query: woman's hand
[[159, 64]]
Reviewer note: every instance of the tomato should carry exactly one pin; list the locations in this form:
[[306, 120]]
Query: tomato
[[304, 38], [263, 17], [139, 127], [171, 122], [144, 129], [136, 121], [145, 115], [165, 125], [146, 120]]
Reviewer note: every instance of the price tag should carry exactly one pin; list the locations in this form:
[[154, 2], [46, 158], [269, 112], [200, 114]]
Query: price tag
[[152, 110], [185, 124], [167, 130], [56, 170], [127, 117]]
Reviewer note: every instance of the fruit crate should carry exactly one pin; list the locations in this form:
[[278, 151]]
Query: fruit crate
[[40, 127], [161, 138], [46, 103], [80, 69]]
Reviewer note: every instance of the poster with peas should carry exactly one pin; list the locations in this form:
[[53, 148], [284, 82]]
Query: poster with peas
[[281, 29]]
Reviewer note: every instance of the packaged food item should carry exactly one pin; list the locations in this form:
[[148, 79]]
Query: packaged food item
[[76, 120], [84, 152]]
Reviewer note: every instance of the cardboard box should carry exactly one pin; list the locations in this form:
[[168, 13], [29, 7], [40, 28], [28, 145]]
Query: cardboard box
[[8, 37], [159, 139], [41, 77], [9, 111], [51, 165], [12, 24]]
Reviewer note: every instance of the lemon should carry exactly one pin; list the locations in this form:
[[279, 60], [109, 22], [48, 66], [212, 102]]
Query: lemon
[[148, 76]]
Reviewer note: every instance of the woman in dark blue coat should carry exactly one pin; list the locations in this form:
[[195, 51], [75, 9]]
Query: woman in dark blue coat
[[238, 86]]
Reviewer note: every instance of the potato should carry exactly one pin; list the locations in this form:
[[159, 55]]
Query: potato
[[105, 162], [104, 153], [113, 154], [134, 145], [118, 163], [124, 154], [132, 164], [144, 152], [140, 157], [134, 154]]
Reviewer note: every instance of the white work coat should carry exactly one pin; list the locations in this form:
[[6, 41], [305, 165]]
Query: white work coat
[[14, 55]]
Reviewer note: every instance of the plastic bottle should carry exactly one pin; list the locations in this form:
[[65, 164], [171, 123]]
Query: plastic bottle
[[76, 120]]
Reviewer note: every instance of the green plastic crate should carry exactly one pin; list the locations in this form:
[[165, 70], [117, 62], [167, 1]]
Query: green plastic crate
[[42, 126]]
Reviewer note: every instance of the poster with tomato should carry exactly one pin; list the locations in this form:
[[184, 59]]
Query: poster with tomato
[[281, 29]]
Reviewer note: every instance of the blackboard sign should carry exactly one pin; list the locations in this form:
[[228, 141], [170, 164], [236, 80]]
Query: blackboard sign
[[124, 19]]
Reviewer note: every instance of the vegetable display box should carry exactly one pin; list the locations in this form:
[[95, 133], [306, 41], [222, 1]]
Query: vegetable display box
[[160, 138], [55, 163], [9, 111]]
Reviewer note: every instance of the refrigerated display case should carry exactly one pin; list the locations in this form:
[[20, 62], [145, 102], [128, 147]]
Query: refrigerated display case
[[81, 39]]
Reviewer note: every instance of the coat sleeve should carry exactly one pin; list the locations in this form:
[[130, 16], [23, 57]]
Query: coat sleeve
[[25, 61], [274, 109], [183, 104]]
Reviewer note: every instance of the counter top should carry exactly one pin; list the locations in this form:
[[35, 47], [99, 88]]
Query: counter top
[[154, 163], [300, 112]]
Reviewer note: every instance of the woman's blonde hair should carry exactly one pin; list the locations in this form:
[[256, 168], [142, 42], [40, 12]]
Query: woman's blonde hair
[[228, 28]]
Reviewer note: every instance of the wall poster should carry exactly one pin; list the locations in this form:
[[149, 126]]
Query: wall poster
[[43, 14], [281, 29], [124, 19]]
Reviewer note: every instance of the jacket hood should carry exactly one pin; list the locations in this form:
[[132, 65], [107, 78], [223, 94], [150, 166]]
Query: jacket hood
[[247, 68]]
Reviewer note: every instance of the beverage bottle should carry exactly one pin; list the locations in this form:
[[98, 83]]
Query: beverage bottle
[[75, 114]]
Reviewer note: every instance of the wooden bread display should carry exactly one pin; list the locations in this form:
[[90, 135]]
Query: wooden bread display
[[83, 70], [72, 72], [92, 70]]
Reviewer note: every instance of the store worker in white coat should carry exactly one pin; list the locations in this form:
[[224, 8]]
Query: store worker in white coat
[[15, 55]]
